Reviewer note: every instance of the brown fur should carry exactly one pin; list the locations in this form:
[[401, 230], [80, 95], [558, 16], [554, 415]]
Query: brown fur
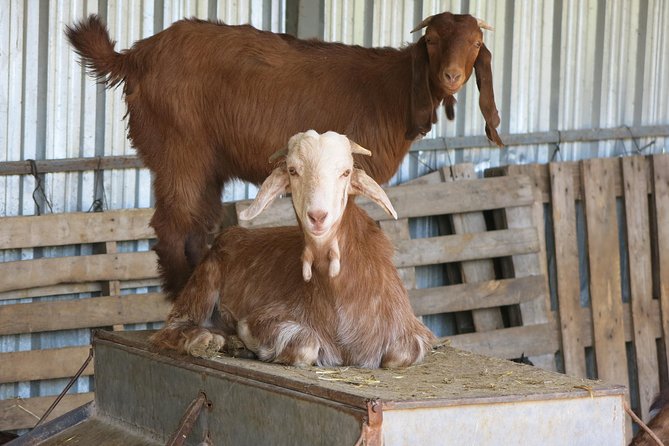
[[659, 424], [208, 102], [362, 317]]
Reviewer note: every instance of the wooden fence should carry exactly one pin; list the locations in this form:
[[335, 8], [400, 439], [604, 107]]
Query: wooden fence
[[100, 268], [625, 204]]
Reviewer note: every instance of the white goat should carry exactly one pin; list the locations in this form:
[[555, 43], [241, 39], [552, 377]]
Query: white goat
[[348, 305]]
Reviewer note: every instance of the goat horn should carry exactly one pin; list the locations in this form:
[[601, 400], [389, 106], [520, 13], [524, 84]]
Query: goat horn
[[357, 148], [485, 25], [278, 154], [423, 24]]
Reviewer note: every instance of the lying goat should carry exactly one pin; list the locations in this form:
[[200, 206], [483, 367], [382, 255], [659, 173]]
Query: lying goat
[[298, 311], [207, 103]]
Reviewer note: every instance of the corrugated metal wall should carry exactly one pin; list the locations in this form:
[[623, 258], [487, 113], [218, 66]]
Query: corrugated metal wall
[[558, 65]]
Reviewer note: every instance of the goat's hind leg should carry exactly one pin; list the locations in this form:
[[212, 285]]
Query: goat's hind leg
[[185, 329]]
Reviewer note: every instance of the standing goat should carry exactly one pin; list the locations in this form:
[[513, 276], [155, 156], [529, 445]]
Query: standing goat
[[207, 102], [358, 315]]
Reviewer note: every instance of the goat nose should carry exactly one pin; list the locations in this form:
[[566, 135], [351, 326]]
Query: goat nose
[[453, 76], [317, 217]]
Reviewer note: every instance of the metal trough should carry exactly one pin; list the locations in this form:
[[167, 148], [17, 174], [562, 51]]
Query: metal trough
[[453, 398]]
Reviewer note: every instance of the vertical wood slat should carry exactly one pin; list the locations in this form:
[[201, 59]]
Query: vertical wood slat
[[477, 270], [635, 191], [537, 311], [604, 263], [113, 287], [661, 205], [566, 259], [398, 230]]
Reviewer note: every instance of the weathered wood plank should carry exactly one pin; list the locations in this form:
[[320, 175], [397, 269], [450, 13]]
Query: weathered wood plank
[[485, 318], [536, 311], [421, 200], [604, 261], [541, 177], [75, 228], [566, 259], [470, 296], [586, 330], [532, 340], [24, 274], [641, 286], [398, 231], [74, 288], [458, 248], [661, 207], [43, 364], [19, 413], [83, 313]]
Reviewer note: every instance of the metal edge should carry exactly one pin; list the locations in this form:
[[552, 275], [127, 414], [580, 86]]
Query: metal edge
[[348, 402], [50, 428]]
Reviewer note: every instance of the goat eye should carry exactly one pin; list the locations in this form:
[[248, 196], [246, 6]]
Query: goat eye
[[346, 173], [292, 171], [478, 44]]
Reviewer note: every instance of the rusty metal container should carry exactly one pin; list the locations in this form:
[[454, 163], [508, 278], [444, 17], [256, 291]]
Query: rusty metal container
[[453, 398]]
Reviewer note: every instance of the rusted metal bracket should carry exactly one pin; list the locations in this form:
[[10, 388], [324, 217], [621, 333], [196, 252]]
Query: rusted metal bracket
[[372, 427], [188, 419]]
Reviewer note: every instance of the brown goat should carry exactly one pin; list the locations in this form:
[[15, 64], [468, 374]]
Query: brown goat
[[359, 316], [208, 102], [659, 424]]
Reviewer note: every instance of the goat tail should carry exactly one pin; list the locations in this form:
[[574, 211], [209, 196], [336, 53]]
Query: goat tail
[[90, 39]]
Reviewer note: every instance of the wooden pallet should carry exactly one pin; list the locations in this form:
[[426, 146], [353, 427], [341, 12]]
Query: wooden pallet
[[99, 268], [599, 186]]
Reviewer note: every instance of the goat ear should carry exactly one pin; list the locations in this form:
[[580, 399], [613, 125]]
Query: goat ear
[[363, 184], [275, 184], [422, 109], [483, 69]]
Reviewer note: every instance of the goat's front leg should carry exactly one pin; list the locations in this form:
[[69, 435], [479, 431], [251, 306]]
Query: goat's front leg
[[307, 263], [334, 256]]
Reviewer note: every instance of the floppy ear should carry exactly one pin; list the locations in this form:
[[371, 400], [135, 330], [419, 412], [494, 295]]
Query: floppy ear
[[483, 69], [363, 184], [275, 184], [420, 118]]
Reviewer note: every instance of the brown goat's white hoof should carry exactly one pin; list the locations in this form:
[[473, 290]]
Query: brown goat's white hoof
[[205, 345], [335, 267], [306, 271]]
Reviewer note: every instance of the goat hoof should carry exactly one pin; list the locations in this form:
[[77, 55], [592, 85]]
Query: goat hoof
[[205, 345], [335, 267]]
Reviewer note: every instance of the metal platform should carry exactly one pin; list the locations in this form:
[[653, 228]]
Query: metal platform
[[453, 398]]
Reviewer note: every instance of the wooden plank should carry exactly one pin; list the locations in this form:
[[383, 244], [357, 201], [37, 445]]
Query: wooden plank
[[661, 208], [485, 318], [536, 311], [71, 165], [604, 261], [398, 231], [20, 413], [43, 364], [586, 331], [83, 313], [541, 177], [641, 286], [566, 260], [470, 296], [75, 228], [458, 248], [74, 288], [532, 340], [421, 200], [25, 274]]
